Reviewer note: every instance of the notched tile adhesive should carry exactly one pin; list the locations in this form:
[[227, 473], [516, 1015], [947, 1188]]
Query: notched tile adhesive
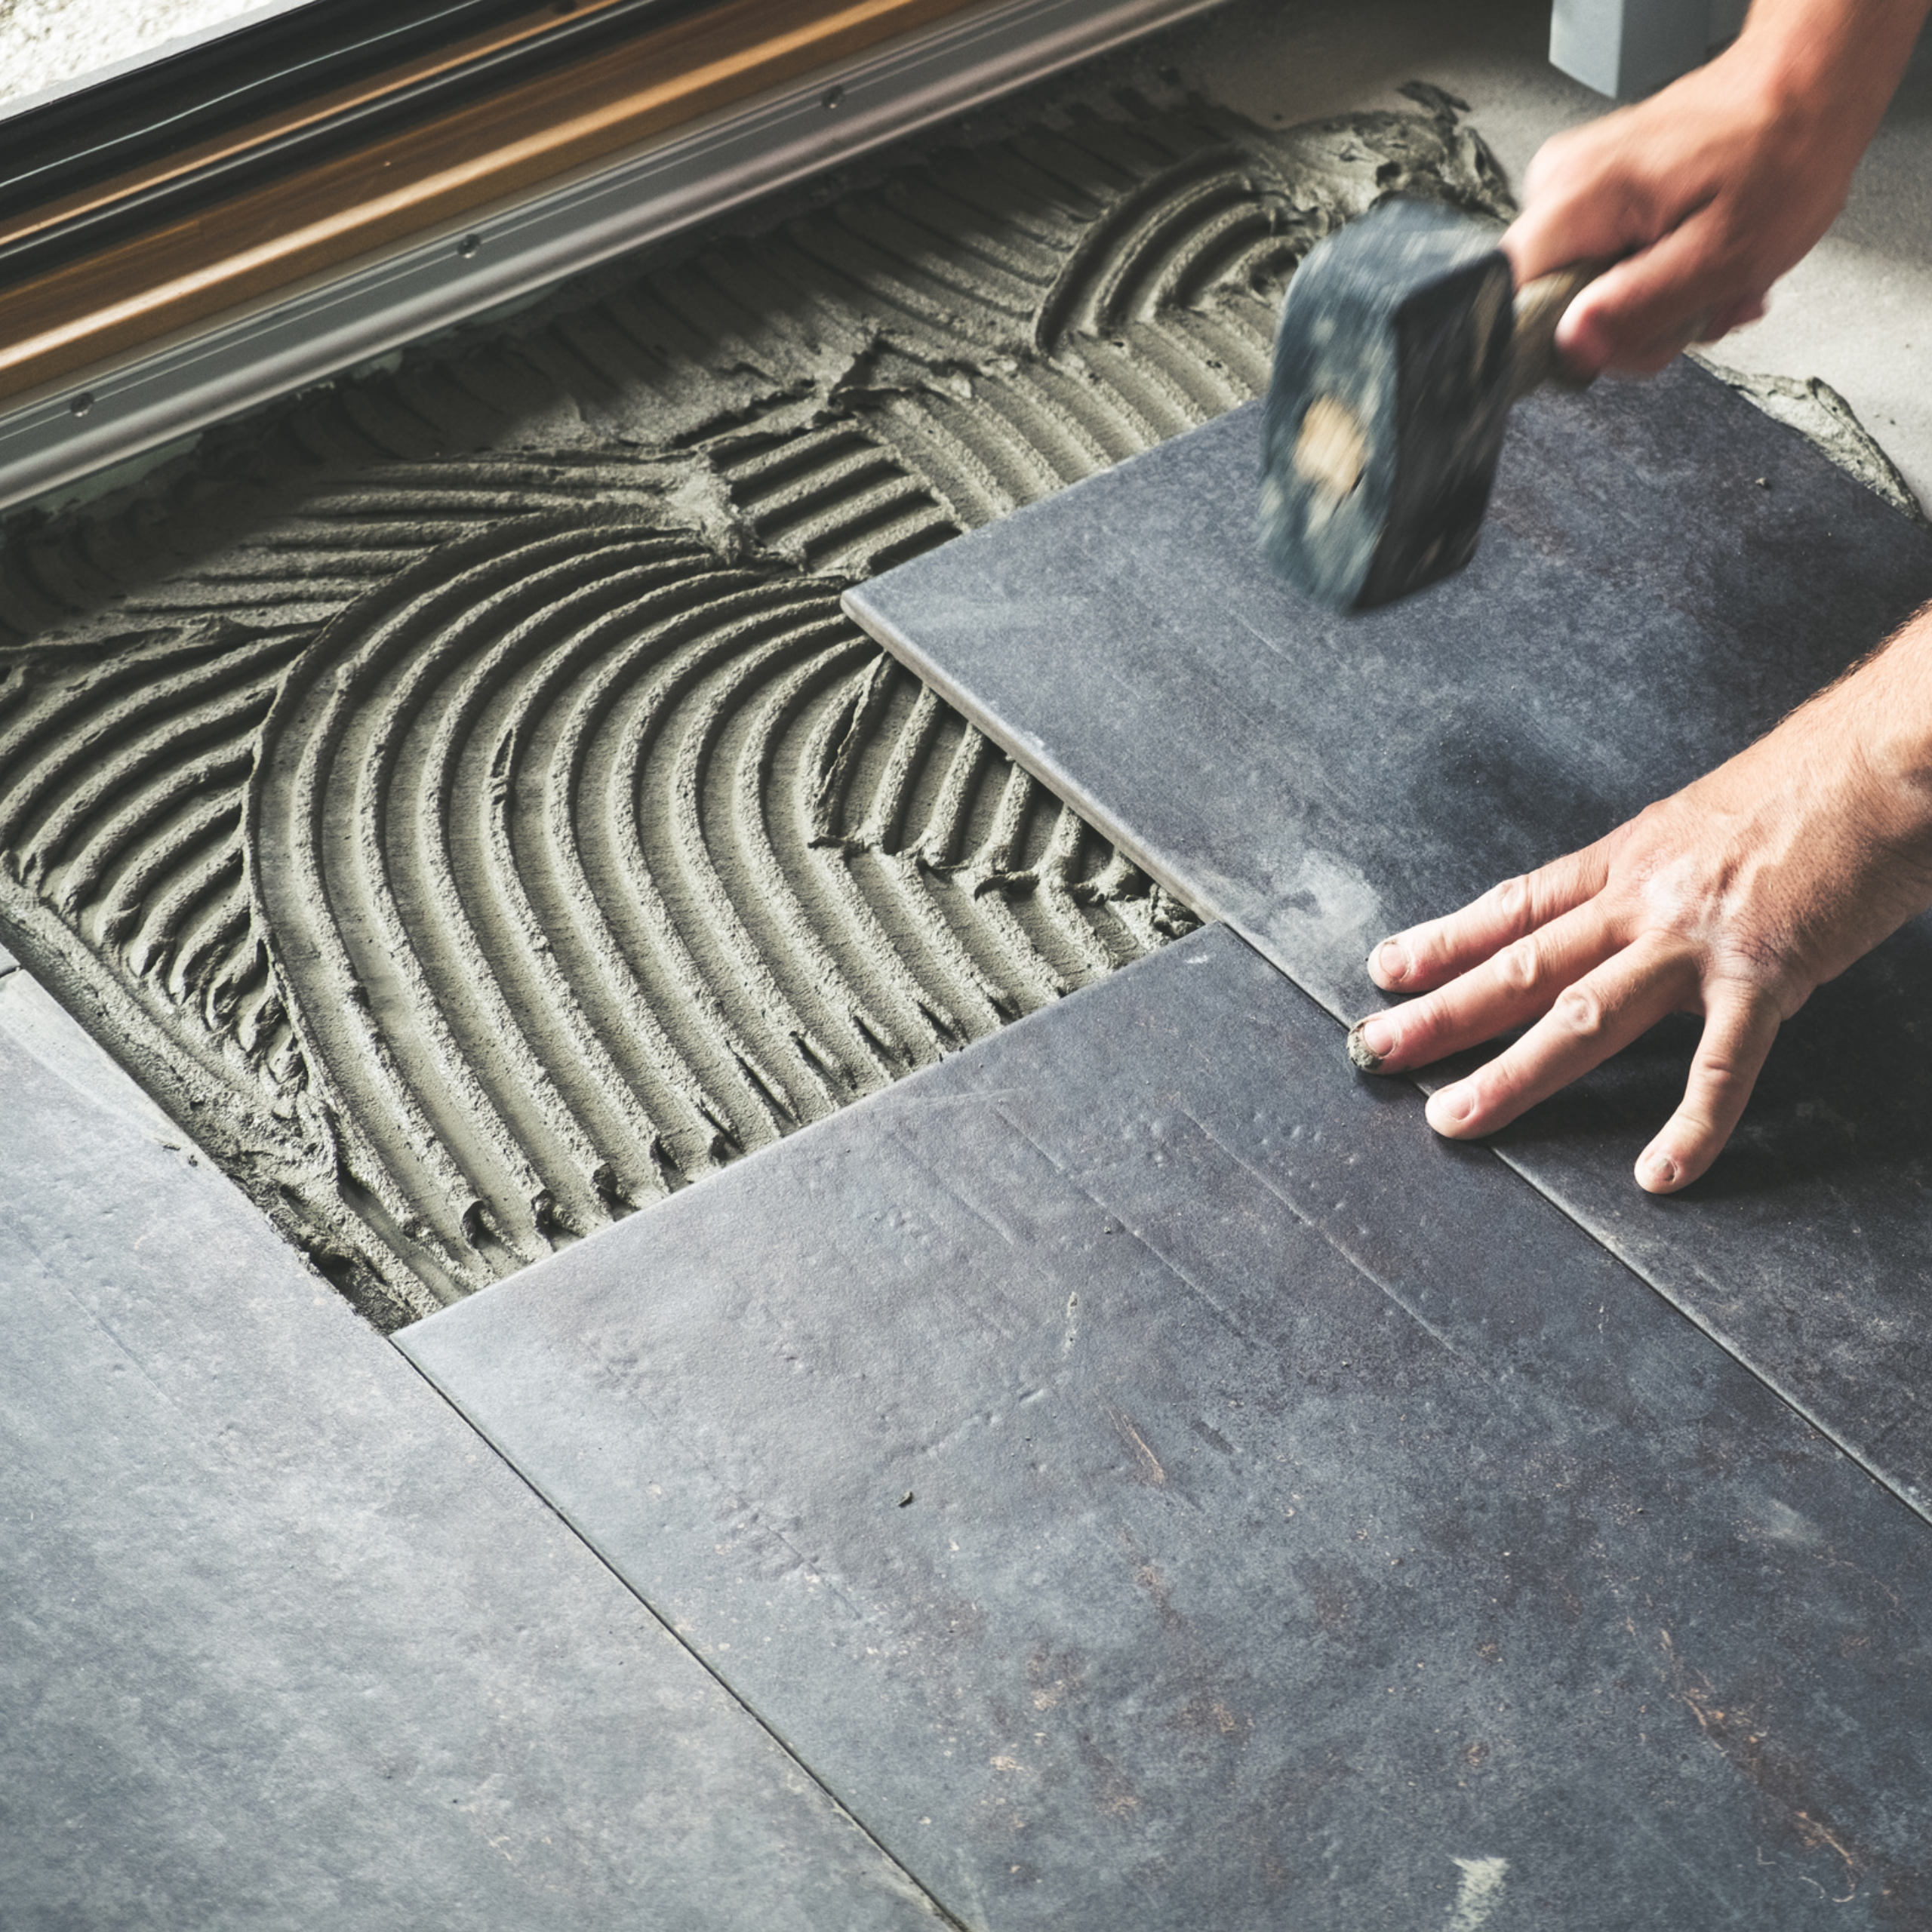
[[456, 794]]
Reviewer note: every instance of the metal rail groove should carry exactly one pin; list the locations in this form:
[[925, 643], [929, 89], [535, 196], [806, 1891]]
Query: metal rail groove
[[53, 437]]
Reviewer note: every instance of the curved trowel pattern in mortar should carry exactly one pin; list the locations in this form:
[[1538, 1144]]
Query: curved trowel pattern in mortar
[[649, 859], [472, 846]]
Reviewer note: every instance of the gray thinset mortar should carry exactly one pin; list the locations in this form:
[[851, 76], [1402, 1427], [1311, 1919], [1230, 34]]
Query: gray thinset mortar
[[1818, 414], [456, 795]]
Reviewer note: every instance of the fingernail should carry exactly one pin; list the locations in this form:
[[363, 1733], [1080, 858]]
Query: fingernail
[[1391, 960], [1371, 1042], [1657, 1171], [1450, 1108]]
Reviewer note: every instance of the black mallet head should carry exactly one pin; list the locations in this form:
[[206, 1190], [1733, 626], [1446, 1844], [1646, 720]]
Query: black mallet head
[[1402, 346]]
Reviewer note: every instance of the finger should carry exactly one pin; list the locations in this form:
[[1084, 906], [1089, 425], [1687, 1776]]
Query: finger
[[1536, 176], [1536, 245], [1638, 313], [1427, 955], [1738, 1028], [1515, 985], [1739, 315], [1577, 209], [1599, 1016]]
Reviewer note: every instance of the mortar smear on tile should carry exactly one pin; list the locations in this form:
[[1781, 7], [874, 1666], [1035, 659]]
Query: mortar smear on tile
[[457, 796]]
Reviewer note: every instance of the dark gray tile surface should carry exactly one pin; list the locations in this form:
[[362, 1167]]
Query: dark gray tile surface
[[1157, 1485], [1641, 607], [283, 1647]]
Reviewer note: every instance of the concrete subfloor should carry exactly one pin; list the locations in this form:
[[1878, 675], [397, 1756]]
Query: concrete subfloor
[[1858, 312], [49, 44]]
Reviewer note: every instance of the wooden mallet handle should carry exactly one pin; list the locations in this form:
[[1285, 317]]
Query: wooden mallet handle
[[1539, 306]]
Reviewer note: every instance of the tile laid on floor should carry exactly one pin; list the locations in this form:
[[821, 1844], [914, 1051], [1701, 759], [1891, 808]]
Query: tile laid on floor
[[1664, 572], [1154, 1485], [285, 1646]]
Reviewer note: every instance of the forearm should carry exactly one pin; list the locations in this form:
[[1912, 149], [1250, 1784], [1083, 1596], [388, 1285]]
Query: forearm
[[1879, 714], [1855, 49], [1832, 66]]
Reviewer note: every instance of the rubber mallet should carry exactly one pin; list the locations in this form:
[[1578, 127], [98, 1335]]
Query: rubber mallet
[[1403, 344]]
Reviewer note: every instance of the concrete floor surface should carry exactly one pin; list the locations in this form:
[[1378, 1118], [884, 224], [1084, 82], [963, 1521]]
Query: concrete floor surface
[[46, 44]]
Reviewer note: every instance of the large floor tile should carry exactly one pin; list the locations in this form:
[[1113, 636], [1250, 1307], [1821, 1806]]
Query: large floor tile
[[1664, 573], [283, 1647], [1154, 1485]]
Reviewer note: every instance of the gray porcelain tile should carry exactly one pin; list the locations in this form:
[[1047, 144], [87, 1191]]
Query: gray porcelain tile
[[1665, 572], [1155, 1485], [283, 1644]]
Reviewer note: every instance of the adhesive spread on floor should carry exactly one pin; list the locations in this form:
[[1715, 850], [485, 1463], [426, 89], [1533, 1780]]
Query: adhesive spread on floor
[[1823, 416], [457, 794]]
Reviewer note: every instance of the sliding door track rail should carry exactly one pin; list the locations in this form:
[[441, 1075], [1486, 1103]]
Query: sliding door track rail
[[743, 120]]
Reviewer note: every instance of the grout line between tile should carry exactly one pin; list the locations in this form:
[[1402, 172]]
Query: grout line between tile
[[904, 1872], [1106, 823], [1921, 1507]]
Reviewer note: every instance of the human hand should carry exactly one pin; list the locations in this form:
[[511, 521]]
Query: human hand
[[1733, 898], [1704, 194]]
